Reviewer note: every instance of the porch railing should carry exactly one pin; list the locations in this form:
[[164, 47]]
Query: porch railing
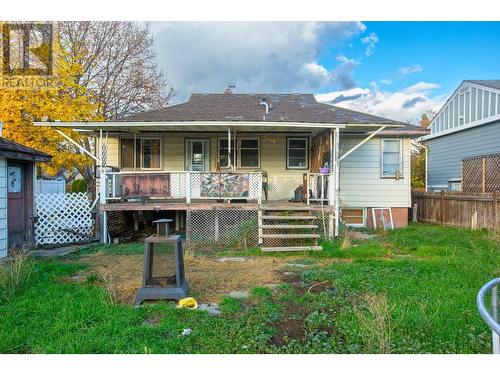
[[318, 187], [186, 185], [490, 316]]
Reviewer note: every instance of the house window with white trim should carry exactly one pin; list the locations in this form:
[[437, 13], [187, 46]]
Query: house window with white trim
[[297, 152], [140, 153], [246, 155], [391, 161], [249, 152]]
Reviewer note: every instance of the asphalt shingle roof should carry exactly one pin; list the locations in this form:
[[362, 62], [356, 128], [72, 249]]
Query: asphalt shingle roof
[[493, 83], [245, 107], [13, 147]]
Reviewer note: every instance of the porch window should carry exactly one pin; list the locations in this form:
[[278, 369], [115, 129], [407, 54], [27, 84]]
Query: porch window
[[127, 153], [146, 153], [249, 155], [391, 160], [297, 153], [151, 153], [224, 152], [246, 155]]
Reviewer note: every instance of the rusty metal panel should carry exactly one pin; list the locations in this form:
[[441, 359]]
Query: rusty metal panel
[[140, 185]]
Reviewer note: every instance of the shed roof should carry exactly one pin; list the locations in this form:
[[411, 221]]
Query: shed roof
[[15, 150]]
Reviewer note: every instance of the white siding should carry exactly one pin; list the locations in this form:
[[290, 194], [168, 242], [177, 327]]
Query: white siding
[[3, 207], [360, 182]]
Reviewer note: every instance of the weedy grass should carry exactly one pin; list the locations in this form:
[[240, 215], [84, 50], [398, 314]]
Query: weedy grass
[[411, 291]]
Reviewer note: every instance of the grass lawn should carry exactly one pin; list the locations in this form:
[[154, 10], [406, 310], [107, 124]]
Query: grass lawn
[[410, 291]]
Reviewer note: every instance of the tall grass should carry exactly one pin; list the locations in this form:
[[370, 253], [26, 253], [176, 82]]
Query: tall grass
[[15, 274]]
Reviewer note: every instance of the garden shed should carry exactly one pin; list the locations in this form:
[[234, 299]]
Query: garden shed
[[17, 172]]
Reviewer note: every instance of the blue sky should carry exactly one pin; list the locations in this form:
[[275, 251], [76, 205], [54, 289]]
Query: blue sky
[[394, 69], [447, 52]]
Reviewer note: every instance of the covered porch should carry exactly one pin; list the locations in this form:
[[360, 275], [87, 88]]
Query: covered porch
[[223, 184]]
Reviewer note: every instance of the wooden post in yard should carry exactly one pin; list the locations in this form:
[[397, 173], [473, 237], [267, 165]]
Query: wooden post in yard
[[441, 207]]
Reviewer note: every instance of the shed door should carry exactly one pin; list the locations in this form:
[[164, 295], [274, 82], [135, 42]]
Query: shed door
[[18, 197]]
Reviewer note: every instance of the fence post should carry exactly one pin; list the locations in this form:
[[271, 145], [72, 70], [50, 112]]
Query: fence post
[[495, 210], [441, 207], [484, 175]]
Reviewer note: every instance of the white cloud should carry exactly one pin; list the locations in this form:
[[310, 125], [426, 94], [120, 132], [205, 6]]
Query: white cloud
[[254, 56], [415, 68], [405, 105], [371, 40], [422, 87]]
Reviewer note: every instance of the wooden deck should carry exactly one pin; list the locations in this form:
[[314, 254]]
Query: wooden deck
[[181, 205]]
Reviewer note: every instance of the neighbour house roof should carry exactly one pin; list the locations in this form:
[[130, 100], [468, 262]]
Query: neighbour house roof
[[465, 109], [15, 150], [493, 83]]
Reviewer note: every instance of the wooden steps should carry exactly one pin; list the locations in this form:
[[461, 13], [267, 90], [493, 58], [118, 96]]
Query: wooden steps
[[288, 228], [291, 208], [292, 248], [291, 235], [282, 217]]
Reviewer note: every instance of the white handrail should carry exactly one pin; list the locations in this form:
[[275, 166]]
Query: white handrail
[[491, 318]]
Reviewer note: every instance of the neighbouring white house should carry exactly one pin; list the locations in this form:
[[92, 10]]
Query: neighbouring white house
[[17, 176], [296, 168], [464, 143]]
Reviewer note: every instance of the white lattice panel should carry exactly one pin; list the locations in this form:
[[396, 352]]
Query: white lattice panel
[[223, 226], [63, 218]]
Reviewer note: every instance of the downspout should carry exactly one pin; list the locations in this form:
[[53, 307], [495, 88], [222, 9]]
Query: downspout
[[426, 166]]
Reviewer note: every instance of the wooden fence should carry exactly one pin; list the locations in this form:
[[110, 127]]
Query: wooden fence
[[458, 209], [481, 174]]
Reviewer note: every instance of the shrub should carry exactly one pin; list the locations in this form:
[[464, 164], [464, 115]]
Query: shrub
[[79, 186]]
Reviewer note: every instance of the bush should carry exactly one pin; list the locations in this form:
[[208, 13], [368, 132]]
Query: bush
[[79, 186]]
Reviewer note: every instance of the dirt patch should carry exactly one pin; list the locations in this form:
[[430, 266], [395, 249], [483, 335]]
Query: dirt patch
[[291, 326], [319, 287], [208, 278], [289, 277]]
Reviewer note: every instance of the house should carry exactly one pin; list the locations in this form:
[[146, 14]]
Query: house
[[219, 162], [464, 132], [17, 176]]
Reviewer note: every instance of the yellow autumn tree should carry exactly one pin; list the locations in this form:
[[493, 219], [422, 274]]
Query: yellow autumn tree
[[68, 101]]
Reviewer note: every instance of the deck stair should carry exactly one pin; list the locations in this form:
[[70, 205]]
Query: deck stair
[[288, 228]]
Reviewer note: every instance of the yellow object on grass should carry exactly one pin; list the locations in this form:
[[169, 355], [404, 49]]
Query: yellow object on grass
[[188, 303]]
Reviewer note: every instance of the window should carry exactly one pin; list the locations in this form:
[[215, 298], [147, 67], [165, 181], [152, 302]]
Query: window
[[354, 217], [151, 153], [224, 152], [147, 153], [246, 155], [391, 161], [249, 153], [297, 153]]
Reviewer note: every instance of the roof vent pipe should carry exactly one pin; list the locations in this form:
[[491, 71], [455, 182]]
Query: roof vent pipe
[[264, 104]]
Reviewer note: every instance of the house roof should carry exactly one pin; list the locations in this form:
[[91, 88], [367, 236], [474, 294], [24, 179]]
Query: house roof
[[245, 108], [493, 83], [15, 150], [213, 112]]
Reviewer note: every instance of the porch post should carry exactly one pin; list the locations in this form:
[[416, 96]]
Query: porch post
[[102, 192], [336, 167], [229, 164]]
